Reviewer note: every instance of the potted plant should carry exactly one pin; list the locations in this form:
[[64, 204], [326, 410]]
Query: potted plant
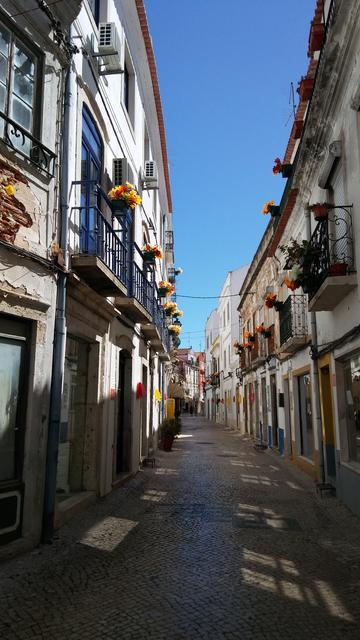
[[249, 336], [272, 208], [123, 197], [248, 346], [278, 305], [150, 252], [267, 333], [260, 328], [165, 288], [284, 169], [170, 428], [174, 330], [170, 308], [178, 313], [320, 210], [270, 300], [338, 269]]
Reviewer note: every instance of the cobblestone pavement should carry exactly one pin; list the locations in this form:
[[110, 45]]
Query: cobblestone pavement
[[217, 541]]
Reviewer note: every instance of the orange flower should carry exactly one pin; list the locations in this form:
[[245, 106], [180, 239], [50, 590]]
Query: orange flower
[[267, 205]]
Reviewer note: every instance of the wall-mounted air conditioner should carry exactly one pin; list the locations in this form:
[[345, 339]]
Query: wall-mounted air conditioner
[[111, 49], [120, 171], [150, 175]]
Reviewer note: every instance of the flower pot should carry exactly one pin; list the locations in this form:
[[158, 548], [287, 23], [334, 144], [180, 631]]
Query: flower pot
[[251, 338], [119, 206], [269, 304], [163, 292], [267, 334], [278, 305], [320, 211], [167, 442], [148, 257], [286, 170], [274, 210], [338, 269]]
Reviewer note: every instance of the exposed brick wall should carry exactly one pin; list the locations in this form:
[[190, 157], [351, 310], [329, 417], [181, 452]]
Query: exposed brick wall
[[13, 214]]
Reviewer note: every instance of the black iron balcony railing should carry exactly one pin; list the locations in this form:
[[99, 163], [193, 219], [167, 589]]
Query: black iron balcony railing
[[97, 237], [169, 241], [293, 318], [22, 142], [332, 249]]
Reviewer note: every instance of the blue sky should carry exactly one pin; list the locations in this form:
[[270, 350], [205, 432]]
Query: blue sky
[[225, 71]]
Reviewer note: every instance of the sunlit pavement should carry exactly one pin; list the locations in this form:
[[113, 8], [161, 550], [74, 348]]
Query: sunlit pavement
[[217, 541]]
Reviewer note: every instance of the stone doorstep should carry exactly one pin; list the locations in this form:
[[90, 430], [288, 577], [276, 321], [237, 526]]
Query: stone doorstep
[[70, 507], [122, 478]]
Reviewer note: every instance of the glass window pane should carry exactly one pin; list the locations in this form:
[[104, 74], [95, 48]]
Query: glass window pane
[[2, 96], [4, 41], [21, 113], [3, 69], [24, 61], [10, 363], [23, 87]]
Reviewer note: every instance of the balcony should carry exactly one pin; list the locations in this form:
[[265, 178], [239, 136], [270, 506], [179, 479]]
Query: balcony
[[101, 257], [331, 276], [24, 144], [293, 324], [169, 241]]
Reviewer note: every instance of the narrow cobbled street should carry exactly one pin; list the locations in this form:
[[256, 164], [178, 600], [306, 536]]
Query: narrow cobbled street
[[219, 540]]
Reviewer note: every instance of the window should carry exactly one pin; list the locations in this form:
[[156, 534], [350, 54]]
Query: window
[[128, 96], [94, 8], [224, 360], [228, 311], [19, 67], [352, 398], [305, 416]]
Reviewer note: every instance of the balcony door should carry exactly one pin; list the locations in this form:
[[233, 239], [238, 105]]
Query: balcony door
[[91, 163]]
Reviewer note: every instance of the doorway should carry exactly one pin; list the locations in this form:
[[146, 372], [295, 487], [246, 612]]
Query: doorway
[[264, 433], [123, 435], [328, 424], [144, 436], [288, 429], [274, 415]]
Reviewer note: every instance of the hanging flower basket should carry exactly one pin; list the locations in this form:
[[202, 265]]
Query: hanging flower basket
[[292, 284], [248, 346], [123, 197], [150, 252], [260, 329], [278, 305], [274, 210], [270, 300], [174, 330], [170, 308], [267, 333], [320, 210], [284, 169], [165, 288]]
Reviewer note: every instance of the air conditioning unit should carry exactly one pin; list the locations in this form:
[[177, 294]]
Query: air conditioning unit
[[111, 49], [150, 174], [120, 172]]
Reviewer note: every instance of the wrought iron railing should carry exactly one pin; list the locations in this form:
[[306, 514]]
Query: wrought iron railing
[[331, 249], [22, 142], [293, 318], [97, 237], [114, 247]]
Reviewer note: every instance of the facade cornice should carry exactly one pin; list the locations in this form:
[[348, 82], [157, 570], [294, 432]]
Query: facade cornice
[[140, 7]]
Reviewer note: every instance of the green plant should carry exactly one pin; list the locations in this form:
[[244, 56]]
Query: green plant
[[170, 428], [296, 253]]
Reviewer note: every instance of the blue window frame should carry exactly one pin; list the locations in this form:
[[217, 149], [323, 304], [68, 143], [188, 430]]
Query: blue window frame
[[91, 165]]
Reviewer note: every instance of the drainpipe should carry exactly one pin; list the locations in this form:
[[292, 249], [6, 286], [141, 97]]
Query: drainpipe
[[68, 136], [315, 371]]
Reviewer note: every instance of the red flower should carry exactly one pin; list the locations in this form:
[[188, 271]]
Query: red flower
[[277, 166]]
